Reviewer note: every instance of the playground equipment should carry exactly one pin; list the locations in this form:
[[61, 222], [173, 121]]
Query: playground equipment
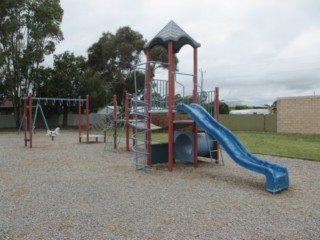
[[53, 133], [115, 121], [112, 122], [87, 135], [183, 149], [38, 107], [159, 97], [29, 125], [173, 38], [277, 178]]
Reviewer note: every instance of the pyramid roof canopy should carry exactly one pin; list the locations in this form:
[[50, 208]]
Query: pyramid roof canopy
[[172, 32]]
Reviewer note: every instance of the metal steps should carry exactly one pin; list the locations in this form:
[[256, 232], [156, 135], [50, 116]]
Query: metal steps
[[214, 151]]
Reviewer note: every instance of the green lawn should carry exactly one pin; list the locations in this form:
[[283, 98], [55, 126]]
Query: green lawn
[[291, 145]]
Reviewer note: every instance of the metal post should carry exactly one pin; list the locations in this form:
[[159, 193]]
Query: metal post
[[134, 106], [217, 116], [171, 106], [25, 120], [30, 120], [35, 117], [127, 121], [87, 117], [44, 118], [195, 100], [114, 122], [148, 104], [79, 118]]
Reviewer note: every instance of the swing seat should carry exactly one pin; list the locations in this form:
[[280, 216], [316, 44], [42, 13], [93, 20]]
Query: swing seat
[[53, 133]]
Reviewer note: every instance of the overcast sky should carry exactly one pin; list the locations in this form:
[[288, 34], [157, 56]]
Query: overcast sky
[[255, 51]]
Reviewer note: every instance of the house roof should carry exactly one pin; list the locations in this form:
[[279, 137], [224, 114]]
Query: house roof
[[6, 104], [172, 32]]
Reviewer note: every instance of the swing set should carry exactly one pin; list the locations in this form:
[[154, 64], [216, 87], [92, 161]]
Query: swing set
[[38, 108], [29, 123]]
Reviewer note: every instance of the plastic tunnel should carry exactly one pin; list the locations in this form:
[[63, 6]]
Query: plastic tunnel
[[184, 145]]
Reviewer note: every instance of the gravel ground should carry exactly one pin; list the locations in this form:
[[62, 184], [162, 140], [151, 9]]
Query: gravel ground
[[65, 190]]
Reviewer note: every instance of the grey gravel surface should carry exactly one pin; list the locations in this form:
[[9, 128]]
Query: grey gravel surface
[[65, 190]]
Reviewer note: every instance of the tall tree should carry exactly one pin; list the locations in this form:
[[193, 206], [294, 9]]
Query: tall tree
[[160, 54], [93, 85], [29, 30], [70, 78], [114, 55], [68, 69]]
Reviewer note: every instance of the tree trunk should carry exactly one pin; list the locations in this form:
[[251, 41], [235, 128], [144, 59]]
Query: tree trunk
[[17, 110]]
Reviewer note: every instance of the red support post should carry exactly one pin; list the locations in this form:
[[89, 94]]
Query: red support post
[[30, 120], [134, 118], [195, 100], [79, 118], [25, 120], [87, 117], [114, 122], [171, 106], [148, 101], [127, 121]]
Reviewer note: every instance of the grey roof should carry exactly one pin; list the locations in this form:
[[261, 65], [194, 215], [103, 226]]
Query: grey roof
[[172, 32]]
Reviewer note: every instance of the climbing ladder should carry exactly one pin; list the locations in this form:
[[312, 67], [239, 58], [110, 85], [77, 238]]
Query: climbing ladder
[[140, 116], [207, 100], [214, 151], [139, 123]]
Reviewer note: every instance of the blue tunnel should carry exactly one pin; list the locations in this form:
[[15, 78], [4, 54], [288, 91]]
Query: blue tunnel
[[184, 145]]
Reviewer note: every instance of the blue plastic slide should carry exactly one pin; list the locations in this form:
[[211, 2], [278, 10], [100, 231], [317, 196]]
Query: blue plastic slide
[[277, 178]]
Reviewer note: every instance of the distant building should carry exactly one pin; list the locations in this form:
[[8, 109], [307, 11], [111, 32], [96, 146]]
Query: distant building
[[6, 107], [108, 110], [263, 111]]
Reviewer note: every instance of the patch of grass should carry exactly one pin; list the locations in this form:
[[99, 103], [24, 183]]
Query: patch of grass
[[287, 145], [290, 145]]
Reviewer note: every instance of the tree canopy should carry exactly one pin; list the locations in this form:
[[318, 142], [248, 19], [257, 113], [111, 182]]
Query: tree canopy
[[63, 81], [114, 55], [29, 30], [70, 77], [224, 108]]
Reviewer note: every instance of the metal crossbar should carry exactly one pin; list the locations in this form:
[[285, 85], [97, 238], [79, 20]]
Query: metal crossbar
[[56, 99]]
